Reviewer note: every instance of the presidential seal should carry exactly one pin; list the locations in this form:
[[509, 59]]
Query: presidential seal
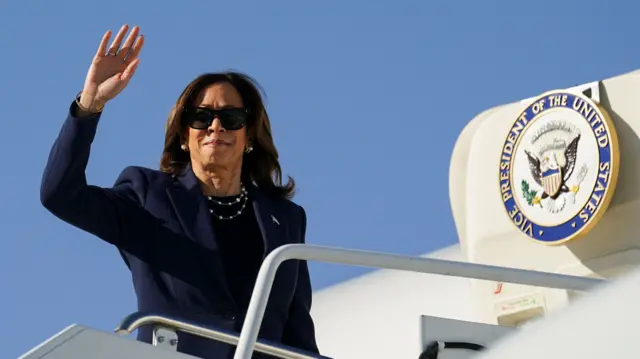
[[559, 167]]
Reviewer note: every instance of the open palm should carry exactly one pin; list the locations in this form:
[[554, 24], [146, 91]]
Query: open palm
[[112, 69]]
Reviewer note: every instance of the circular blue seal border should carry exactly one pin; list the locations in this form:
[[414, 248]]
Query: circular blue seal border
[[608, 149]]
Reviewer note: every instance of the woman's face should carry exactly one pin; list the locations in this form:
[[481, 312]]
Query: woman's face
[[215, 145]]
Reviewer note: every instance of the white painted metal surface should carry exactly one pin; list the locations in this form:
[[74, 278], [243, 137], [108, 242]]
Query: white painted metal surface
[[602, 324], [488, 235], [79, 342]]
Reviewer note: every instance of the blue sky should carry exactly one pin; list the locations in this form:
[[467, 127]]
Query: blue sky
[[366, 100]]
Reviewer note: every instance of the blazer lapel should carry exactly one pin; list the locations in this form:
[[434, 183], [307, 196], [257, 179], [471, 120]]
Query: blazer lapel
[[193, 213], [271, 225]]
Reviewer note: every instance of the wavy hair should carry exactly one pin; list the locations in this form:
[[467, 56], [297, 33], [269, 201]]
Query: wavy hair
[[260, 166]]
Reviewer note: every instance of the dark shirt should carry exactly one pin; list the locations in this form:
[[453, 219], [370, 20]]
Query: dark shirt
[[241, 245]]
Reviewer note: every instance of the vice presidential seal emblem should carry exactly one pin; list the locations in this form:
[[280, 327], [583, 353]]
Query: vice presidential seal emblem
[[559, 167]]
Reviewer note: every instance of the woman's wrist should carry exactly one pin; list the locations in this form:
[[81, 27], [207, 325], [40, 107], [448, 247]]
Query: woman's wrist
[[87, 107]]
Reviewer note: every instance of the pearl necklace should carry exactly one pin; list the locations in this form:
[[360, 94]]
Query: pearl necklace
[[244, 197]]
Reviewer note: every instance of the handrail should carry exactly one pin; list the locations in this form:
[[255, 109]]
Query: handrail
[[272, 262], [136, 320]]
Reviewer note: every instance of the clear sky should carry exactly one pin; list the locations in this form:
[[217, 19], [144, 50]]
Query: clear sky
[[367, 99]]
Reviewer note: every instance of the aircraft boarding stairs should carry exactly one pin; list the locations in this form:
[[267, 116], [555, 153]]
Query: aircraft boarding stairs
[[437, 334]]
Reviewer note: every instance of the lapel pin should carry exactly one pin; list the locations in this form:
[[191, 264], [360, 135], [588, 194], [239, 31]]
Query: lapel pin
[[275, 220]]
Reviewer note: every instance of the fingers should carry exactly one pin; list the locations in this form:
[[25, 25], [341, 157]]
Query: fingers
[[126, 48], [103, 44], [117, 41], [131, 48], [128, 73], [135, 50]]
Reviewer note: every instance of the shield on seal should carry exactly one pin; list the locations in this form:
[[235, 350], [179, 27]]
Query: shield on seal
[[552, 180]]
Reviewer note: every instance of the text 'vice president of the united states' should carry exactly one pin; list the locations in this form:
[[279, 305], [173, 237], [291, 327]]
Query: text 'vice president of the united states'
[[195, 232]]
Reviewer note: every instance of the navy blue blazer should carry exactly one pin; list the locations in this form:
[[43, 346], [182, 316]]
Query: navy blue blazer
[[160, 224]]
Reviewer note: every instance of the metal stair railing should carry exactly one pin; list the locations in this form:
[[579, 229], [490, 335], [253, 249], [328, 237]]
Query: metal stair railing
[[247, 342], [249, 333], [136, 320]]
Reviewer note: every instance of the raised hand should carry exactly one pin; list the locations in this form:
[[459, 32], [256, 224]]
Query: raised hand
[[111, 69]]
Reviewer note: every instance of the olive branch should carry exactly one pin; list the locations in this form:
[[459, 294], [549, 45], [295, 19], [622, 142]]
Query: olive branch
[[528, 193]]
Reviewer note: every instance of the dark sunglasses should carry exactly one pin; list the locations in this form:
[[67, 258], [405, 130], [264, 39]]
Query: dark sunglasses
[[200, 118]]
